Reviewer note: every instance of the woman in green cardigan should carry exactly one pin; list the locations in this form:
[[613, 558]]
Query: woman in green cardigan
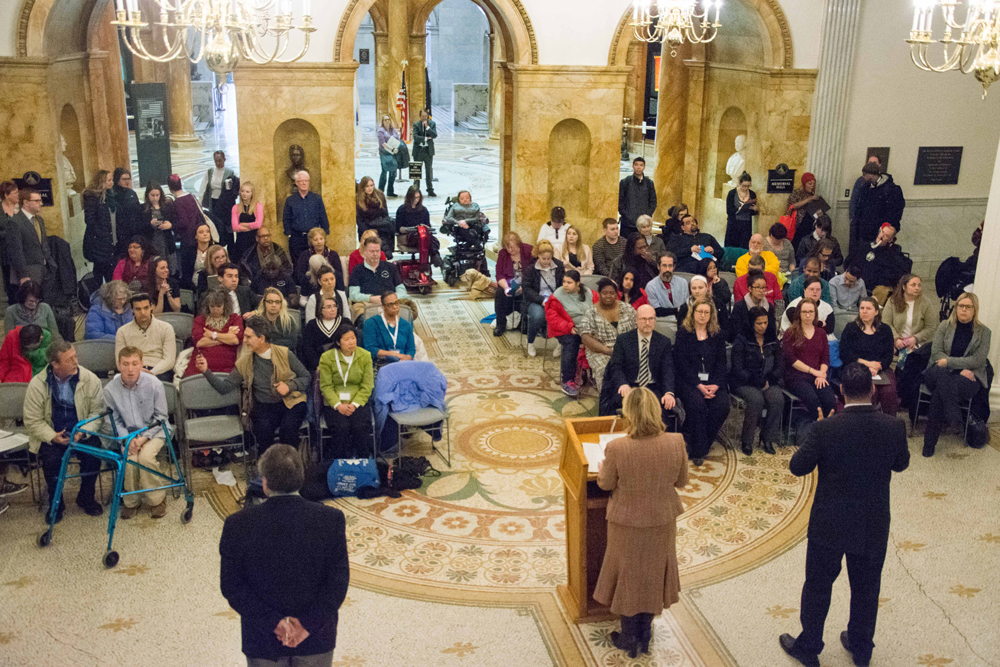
[[346, 381]]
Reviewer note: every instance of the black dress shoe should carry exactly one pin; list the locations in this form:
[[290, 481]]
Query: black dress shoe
[[698, 462], [788, 645], [91, 508], [747, 449], [625, 643], [928, 451], [769, 448], [845, 640], [499, 331]]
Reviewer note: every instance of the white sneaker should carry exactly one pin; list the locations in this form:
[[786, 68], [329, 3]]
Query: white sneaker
[[531, 350], [557, 351]]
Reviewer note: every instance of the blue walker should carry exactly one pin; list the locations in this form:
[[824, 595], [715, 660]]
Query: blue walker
[[117, 457]]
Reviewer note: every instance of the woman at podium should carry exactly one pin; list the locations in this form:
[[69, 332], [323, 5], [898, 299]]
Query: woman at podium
[[643, 470]]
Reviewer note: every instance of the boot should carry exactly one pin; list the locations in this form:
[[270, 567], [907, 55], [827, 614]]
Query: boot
[[931, 434], [645, 632], [627, 640]]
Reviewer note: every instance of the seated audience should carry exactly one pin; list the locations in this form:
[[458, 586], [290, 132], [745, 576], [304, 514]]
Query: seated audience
[[541, 280], [327, 281], [913, 319], [957, 371], [274, 309], [608, 249], [807, 360], [246, 218], [825, 318], [811, 267], [632, 292], [372, 278], [602, 323], [823, 251], [134, 270], [56, 400], [274, 384], [109, 311], [389, 337], [373, 214], [756, 375], [822, 229], [700, 377], [31, 309], [667, 292], [137, 399], [868, 341], [846, 290], [722, 297], [644, 224], [242, 298], [317, 247], [637, 260], [778, 243], [688, 246], [272, 276], [640, 358], [672, 225], [346, 380], [698, 289], [771, 263], [576, 254], [22, 354], [564, 312], [210, 277], [756, 297], [154, 338], [412, 212], [513, 260], [355, 257], [882, 262], [165, 290], [773, 288], [322, 332], [554, 230], [217, 334], [252, 263]]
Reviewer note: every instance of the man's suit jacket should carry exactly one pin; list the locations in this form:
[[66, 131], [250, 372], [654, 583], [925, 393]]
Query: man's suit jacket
[[24, 250], [286, 557], [856, 452], [246, 298], [623, 368]]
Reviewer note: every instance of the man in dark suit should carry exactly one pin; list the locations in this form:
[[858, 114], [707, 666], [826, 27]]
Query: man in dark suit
[[285, 569], [27, 243], [628, 368], [856, 452], [424, 134], [243, 298]]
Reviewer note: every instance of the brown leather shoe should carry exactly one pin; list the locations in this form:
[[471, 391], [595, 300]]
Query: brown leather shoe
[[129, 512], [159, 511]]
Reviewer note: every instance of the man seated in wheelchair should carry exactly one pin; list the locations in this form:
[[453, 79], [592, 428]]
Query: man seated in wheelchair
[[57, 398], [470, 228], [136, 398]]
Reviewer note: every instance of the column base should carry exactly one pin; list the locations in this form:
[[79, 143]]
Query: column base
[[178, 141], [995, 402]]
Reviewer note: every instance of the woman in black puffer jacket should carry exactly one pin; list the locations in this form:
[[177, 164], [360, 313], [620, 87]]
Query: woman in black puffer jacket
[[755, 376], [98, 240]]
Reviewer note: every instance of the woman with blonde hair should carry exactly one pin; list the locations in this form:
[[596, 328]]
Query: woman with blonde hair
[[247, 217], [274, 308], [98, 242], [541, 280], [957, 371], [512, 261], [208, 278], [355, 258], [642, 470], [575, 253], [700, 376], [317, 247]]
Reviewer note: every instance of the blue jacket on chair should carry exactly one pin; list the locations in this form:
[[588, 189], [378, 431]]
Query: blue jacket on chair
[[102, 322]]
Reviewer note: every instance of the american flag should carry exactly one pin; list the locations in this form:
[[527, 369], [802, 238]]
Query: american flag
[[404, 112]]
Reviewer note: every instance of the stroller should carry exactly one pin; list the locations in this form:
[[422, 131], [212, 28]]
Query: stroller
[[469, 248]]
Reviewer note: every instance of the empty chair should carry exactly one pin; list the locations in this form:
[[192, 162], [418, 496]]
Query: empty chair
[[97, 356], [196, 394]]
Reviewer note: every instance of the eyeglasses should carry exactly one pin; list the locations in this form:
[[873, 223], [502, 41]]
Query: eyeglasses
[[272, 302], [965, 306], [390, 304]]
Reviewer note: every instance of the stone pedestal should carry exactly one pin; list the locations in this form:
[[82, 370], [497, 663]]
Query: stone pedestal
[[987, 282], [320, 94]]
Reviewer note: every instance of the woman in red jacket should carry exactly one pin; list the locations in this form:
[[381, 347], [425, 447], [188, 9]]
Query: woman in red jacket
[[564, 310], [512, 260], [23, 353]]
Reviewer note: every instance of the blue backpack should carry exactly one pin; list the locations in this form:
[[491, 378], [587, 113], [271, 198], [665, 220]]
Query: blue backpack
[[346, 476]]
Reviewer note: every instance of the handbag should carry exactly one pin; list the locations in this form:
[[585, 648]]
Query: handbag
[[346, 476], [978, 434], [788, 220]]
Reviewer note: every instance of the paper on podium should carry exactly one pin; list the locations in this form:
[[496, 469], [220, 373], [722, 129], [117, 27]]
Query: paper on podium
[[594, 451]]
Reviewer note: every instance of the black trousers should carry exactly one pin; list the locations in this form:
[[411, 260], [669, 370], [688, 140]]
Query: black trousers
[[297, 242], [949, 392], [351, 436], [104, 270], [805, 390], [908, 378], [267, 418], [822, 569], [428, 174], [702, 418], [503, 305], [51, 456]]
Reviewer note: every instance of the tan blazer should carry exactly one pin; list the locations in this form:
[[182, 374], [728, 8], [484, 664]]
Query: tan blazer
[[643, 477], [925, 320]]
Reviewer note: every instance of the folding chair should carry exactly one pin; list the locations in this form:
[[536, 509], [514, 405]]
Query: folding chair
[[793, 403], [590, 282], [182, 323], [187, 300], [924, 398], [97, 356], [422, 417], [12, 409], [212, 431]]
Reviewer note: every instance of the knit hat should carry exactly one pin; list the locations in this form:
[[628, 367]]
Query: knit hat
[[871, 168], [808, 178]]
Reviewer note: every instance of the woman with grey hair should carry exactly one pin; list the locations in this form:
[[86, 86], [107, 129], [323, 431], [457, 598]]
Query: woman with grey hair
[[109, 310]]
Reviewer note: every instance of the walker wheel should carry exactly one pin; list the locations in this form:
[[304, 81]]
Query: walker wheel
[[110, 559], [186, 515], [44, 539], [425, 290]]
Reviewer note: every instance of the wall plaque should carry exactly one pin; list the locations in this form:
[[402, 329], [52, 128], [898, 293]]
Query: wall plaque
[[780, 180], [938, 165], [364, 57], [416, 171], [43, 186]]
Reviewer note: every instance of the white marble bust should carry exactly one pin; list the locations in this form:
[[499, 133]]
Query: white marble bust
[[737, 161], [68, 172]]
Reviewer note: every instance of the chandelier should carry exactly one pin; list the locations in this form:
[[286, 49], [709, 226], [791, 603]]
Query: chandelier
[[670, 21], [973, 50], [223, 32]]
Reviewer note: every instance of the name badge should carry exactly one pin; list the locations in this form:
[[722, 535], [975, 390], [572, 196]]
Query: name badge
[[395, 349], [345, 396], [703, 377]]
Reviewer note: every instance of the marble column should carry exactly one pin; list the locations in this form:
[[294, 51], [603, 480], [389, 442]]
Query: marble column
[[671, 131], [416, 80], [988, 280], [381, 75], [399, 31], [635, 90], [106, 76], [179, 108], [830, 100]]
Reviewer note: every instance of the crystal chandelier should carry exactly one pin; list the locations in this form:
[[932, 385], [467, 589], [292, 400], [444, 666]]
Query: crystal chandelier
[[223, 32], [972, 51], [670, 21]]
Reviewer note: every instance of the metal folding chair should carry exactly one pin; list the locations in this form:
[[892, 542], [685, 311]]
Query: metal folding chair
[[924, 398], [211, 431], [422, 417], [182, 323], [97, 356], [12, 410]]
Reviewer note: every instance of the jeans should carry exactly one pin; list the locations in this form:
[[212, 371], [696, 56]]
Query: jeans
[[351, 436], [51, 456], [536, 320], [570, 350], [389, 168], [267, 418], [756, 401], [805, 390]]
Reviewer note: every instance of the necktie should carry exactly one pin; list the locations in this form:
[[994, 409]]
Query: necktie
[[644, 376], [38, 227]]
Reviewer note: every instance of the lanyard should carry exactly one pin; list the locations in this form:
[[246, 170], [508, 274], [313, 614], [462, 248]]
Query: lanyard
[[393, 336], [343, 375]]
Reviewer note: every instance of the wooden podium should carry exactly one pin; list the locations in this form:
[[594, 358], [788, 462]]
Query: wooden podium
[[586, 527]]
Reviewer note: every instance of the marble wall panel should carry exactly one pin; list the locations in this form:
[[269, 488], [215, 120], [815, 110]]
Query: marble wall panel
[[468, 99]]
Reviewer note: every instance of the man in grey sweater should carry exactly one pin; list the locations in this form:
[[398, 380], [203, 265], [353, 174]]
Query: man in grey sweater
[[136, 399], [608, 248]]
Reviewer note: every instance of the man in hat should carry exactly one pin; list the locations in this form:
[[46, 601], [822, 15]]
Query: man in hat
[[879, 202]]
